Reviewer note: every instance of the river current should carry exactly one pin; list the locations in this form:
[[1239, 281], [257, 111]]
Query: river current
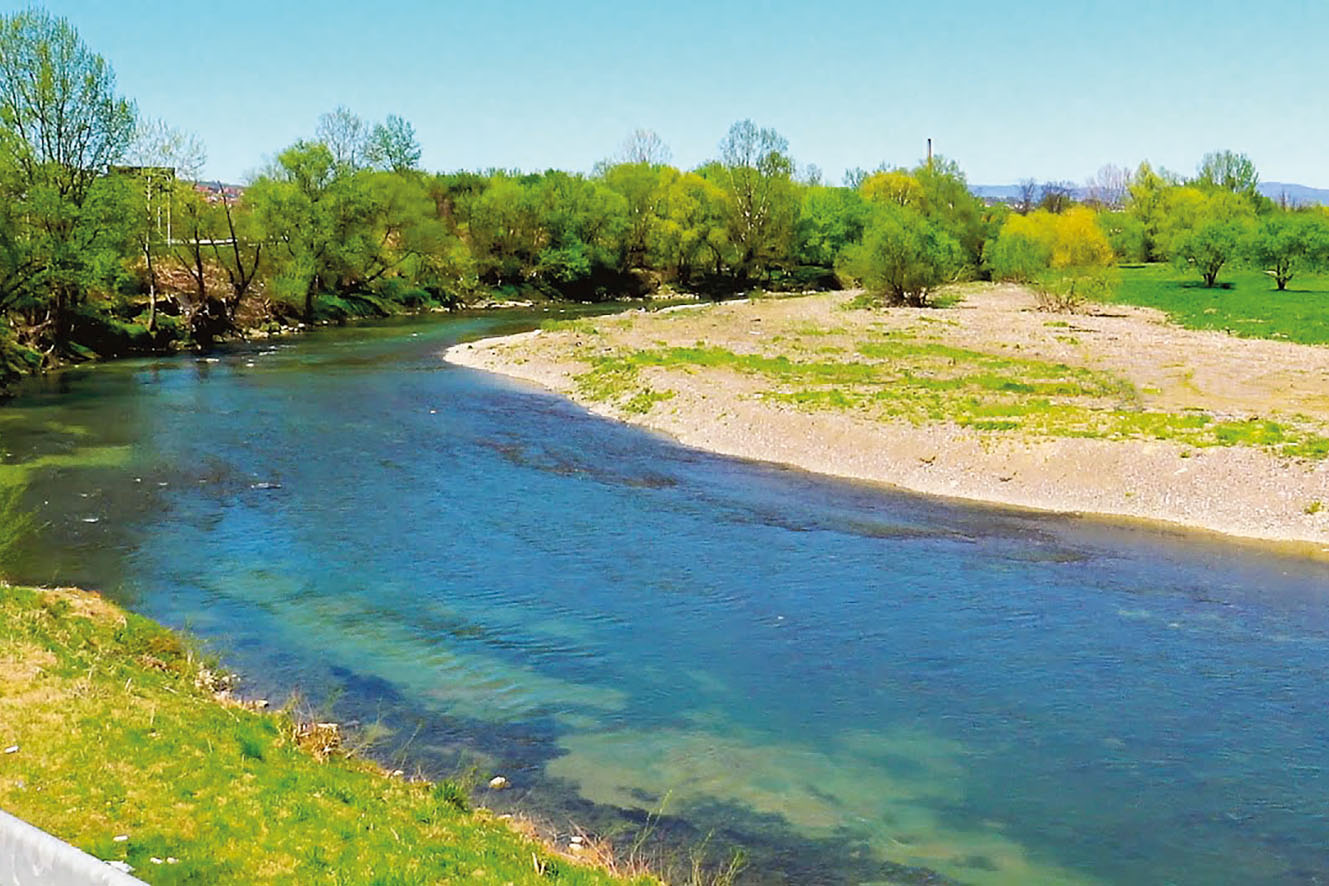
[[853, 684]]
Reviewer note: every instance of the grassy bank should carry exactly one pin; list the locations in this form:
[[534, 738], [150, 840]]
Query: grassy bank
[[117, 742], [906, 376], [1245, 302]]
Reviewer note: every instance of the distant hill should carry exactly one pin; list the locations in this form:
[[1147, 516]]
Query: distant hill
[[1297, 195]]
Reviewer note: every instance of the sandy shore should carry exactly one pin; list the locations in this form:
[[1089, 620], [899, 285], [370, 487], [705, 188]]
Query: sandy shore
[[1244, 490]]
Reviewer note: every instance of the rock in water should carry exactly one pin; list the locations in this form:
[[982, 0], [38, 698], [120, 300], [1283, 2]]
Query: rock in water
[[497, 783]]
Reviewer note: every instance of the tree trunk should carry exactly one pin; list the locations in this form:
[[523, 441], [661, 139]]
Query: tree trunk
[[152, 292]]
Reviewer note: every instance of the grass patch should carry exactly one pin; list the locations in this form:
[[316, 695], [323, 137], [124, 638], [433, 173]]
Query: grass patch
[[1249, 306], [899, 378], [119, 734]]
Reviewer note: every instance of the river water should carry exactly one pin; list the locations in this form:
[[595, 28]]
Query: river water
[[855, 685]]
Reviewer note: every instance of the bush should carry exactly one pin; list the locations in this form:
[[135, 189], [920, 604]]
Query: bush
[[904, 256], [1066, 292]]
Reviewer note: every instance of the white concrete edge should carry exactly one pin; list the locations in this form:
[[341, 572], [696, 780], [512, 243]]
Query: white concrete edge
[[31, 857]]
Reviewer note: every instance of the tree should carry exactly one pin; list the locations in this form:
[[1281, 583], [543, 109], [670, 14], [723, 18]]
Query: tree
[[1285, 243], [947, 200], [161, 156], [1107, 188], [758, 175], [691, 224], [296, 206], [392, 145], [644, 146], [1056, 196], [892, 186], [239, 252], [1030, 244], [1228, 171], [1210, 245], [904, 256], [1026, 199], [346, 136], [64, 126], [641, 185], [854, 178], [1149, 193], [829, 221]]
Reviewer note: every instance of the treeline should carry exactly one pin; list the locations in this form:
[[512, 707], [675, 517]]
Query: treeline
[[109, 245]]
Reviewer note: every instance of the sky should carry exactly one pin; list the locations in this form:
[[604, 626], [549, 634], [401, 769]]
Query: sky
[[1010, 90]]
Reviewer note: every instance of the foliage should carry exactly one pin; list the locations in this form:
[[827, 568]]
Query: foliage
[[756, 174], [1030, 244], [1209, 245], [1284, 244], [904, 256], [1228, 171], [346, 224]]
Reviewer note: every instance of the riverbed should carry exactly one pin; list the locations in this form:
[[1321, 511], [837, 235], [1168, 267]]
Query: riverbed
[[854, 685]]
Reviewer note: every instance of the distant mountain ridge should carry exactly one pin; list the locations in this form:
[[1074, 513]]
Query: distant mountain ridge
[[1296, 195]]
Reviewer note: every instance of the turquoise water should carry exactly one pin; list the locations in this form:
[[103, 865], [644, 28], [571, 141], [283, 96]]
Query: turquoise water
[[857, 686]]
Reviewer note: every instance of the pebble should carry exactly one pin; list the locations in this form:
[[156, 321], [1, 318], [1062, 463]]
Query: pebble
[[121, 838], [498, 783], [123, 867], [12, 749]]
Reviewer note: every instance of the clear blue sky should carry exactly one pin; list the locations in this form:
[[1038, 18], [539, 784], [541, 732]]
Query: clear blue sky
[[1039, 88]]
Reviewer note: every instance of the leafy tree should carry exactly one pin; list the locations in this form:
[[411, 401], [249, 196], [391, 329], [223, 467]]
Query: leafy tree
[[1030, 244], [1210, 245], [297, 207], [948, 201], [892, 186], [1125, 233], [691, 226], [1148, 203], [1020, 252], [829, 221], [904, 256], [1285, 243], [758, 179], [64, 125], [1228, 171], [392, 145], [641, 185]]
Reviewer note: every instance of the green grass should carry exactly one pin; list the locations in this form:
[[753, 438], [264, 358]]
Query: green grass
[[901, 378], [119, 734], [1247, 306]]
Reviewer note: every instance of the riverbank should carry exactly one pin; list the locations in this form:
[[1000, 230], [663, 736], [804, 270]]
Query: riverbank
[[120, 739], [1115, 413]]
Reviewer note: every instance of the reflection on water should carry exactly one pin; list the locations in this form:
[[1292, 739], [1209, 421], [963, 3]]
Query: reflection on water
[[856, 686]]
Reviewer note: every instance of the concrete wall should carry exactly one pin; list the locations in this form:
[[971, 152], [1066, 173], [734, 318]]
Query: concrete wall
[[31, 857]]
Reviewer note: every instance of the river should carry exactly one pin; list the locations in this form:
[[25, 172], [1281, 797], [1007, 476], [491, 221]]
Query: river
[[856, 685]]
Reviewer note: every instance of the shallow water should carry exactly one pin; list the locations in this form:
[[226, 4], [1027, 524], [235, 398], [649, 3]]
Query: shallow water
[[855, 685]]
